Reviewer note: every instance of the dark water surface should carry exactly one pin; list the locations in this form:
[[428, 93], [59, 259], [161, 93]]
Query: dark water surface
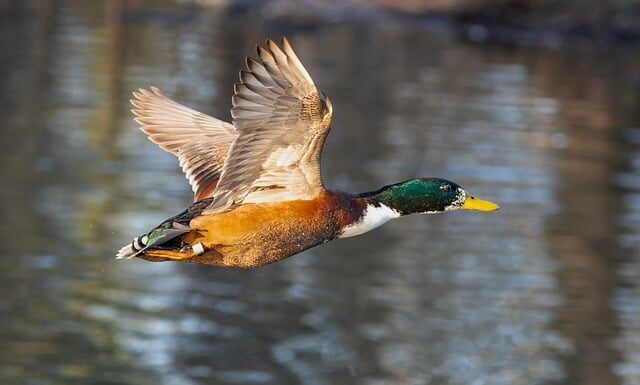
[[545, 291]]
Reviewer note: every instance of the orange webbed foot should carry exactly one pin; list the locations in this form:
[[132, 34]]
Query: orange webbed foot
[[168, 255]]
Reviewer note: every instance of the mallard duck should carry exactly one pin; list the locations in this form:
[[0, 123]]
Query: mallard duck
[[258, 192]]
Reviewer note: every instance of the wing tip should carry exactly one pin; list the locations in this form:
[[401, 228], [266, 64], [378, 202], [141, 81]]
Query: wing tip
[[275, 49], [272, 42], [143, 94], [137, 103]]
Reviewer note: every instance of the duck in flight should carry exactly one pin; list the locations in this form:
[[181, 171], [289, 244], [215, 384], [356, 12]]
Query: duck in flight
[[259, 196]]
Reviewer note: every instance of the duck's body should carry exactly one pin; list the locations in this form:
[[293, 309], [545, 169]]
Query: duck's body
[[258, 191], [260, 233]]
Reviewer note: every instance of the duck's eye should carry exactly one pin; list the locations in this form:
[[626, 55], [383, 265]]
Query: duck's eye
[[446, 187]]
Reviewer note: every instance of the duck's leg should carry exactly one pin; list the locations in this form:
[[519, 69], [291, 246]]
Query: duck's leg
[[168, 255], [171, 255]]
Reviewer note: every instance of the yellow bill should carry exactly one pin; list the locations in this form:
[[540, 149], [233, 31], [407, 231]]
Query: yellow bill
[[473, 203]]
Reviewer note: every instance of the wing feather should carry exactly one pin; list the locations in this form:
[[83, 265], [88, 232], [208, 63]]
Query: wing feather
[[200, 142], [282, 121]]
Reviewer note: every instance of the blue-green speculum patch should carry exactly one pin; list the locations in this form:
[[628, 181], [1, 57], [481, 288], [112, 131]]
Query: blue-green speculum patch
[[426, 196]]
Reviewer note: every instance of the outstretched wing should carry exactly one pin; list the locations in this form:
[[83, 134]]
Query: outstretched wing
[[282, 121], [200, 142]]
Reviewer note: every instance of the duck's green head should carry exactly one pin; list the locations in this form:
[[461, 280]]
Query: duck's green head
[[427, 196]]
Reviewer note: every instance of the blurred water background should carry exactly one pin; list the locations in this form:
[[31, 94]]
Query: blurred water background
[[545, 291]]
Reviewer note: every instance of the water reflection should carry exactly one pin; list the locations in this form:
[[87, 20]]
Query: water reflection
[[542, 292]]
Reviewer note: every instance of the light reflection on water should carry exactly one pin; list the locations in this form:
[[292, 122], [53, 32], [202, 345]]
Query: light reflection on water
[[544, 291]]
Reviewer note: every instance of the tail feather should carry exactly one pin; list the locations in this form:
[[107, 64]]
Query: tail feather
[[157, 236], [134, 248], [126, 252]]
